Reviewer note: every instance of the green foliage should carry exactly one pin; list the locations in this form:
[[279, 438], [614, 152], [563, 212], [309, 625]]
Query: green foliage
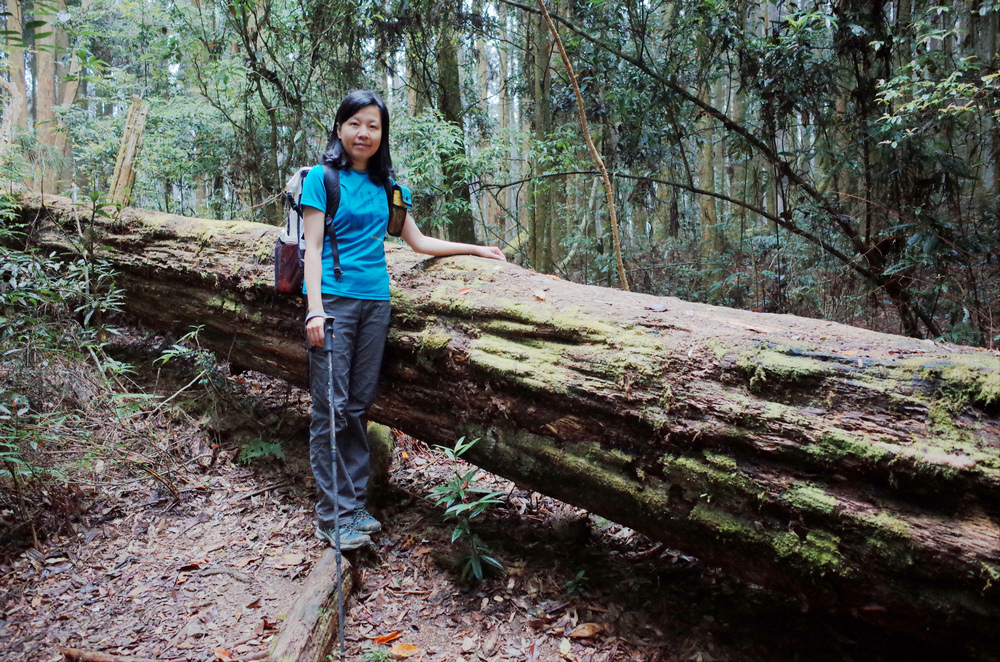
[[52, 314], [937, 89], [575, 585], [256, 448], [189, 349], [47, 304], [463, 502], [374, 653], [421, 144]]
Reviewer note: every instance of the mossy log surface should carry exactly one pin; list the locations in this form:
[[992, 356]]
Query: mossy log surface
[[853, 470]]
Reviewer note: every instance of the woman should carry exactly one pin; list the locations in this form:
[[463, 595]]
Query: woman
[[359, 302]]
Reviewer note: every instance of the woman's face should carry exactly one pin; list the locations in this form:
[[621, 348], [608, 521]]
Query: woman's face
[[361, 136]]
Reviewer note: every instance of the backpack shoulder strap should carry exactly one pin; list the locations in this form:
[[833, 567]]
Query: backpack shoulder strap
[[331, 181], [388, 192], [293, 203]]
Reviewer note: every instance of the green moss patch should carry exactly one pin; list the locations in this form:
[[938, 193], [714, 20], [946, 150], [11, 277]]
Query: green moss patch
[[810, 499]]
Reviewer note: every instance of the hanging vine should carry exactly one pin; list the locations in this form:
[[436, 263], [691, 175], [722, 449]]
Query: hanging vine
[[608, 191]]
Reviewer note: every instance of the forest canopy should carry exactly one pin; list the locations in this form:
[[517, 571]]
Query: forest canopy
[[827, 159]]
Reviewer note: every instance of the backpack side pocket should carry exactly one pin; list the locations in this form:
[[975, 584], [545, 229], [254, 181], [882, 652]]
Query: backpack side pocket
[[397, 212]]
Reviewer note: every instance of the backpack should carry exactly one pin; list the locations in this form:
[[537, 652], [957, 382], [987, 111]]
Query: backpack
[[290, 247]]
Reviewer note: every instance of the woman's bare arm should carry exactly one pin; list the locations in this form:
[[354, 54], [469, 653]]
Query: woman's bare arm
[[421, 243], [313, 270]]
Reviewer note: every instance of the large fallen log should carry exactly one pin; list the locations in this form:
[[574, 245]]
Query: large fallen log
[[853, 470]]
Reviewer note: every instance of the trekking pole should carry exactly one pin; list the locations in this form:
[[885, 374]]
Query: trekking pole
[[328, 347]]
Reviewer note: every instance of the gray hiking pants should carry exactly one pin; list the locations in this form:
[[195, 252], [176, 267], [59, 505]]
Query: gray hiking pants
[[359, 332]]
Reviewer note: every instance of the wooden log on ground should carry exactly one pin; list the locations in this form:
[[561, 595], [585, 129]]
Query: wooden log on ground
[[81, 655], [853, 470], [309, 633]]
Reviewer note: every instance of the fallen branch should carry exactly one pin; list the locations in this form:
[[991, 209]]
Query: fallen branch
[[247, 495], [81, 655], [309, 633], [608, 191]]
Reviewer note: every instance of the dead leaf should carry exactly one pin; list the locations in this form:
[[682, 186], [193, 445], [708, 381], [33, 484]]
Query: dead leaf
[[657, 308], [195, 629], [587, 630], [465, 290], [223, 655], [468, 645], [263, 626], [490, 642], [386, 638], [565, 647], [246, 560], [255, 604], [539, 623], [403, 651], [540, 295], [293, 559]]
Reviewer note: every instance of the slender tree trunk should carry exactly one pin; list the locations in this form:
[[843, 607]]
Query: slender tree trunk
[[15, 49], [46, 168], [541, 254]]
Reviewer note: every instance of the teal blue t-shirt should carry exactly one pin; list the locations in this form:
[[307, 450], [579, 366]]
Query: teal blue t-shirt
[[360, 224]]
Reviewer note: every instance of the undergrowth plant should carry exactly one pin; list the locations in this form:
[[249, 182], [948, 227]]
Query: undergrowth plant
[[53, 372], [189, 348], [373, 653], [463, 502], [256, 448]]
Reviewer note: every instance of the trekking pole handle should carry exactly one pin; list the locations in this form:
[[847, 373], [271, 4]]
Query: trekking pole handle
[[328, 333]]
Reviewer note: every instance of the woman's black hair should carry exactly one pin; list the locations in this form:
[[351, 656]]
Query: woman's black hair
[[380, 164]]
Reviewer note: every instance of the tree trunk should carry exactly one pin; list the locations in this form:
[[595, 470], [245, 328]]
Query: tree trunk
[[45, 103], [541, 73], [462, 225], [15, 114], [853, 470], [120, 188]]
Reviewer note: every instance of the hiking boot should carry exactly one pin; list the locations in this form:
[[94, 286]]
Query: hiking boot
[[365, 523], [350, 537]]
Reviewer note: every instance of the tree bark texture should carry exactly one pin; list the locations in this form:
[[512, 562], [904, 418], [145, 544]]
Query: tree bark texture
[[855, 471], [462, 225], [15, 114]]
